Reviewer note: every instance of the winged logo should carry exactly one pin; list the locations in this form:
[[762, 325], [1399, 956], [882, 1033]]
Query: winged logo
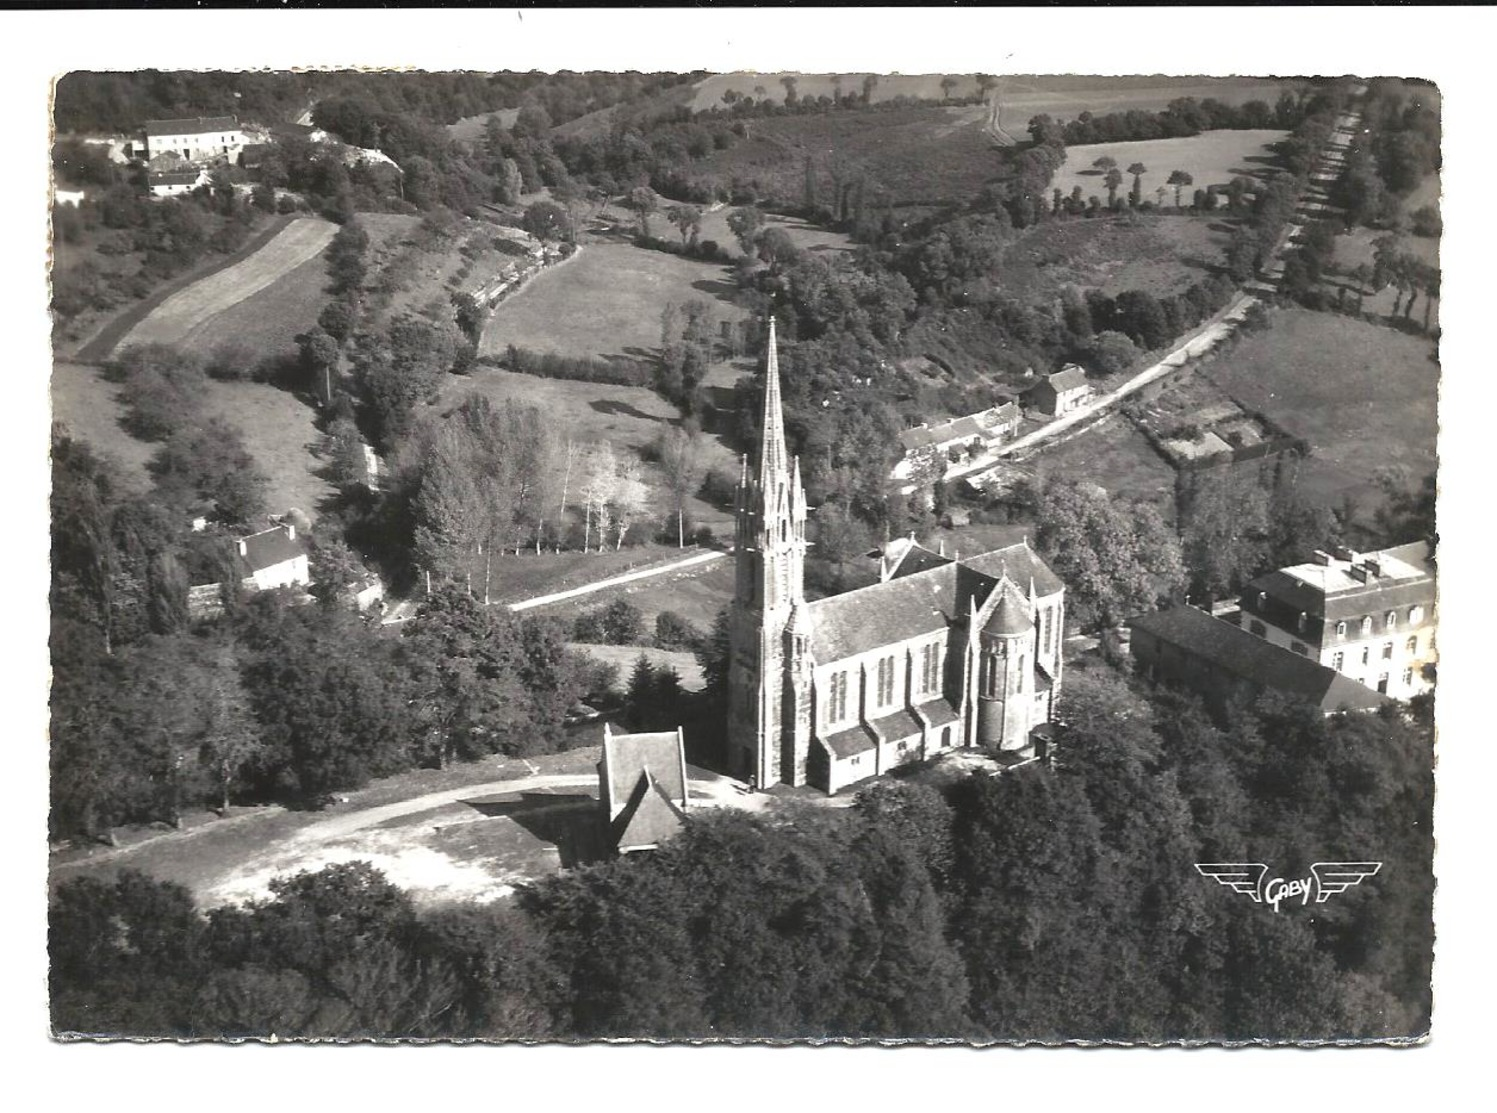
[[1251, 879], [1337, 877], [1245, 877]]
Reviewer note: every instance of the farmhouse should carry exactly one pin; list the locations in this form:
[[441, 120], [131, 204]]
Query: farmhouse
[[1368, 616], [1061, 392], [941, 653], [201, 139], [173, 183], [1218, 659], [274, 558], [642, 787], [963, 437]]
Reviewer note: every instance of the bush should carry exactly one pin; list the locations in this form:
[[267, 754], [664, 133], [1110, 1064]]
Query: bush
[[719, 488], [1426, 222], [548, 365], [232, 361], [674, 632], [619, 623]]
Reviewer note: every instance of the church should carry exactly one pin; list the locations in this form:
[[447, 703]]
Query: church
[[942, 653]]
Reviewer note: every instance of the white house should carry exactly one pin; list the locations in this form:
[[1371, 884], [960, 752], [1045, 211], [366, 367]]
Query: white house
[[969, 436], [200, 139], [174, 183], [274, 558]]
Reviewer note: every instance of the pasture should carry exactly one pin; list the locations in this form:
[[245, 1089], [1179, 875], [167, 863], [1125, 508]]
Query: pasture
[[470, 128], [1115, 455], [1211, 158], [696, 594], [189, 310], [1158, 253], [279, 431], [1364, 397], [269, 320], [1022, 97], [606, 301]]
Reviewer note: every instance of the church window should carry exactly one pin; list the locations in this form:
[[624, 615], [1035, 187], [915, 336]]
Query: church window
[[930, 668], [836, 704], [1020, 677], [1047, 622], [886, 682]]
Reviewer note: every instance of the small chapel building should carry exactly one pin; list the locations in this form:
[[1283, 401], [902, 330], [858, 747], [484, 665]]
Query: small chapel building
[[942, 653]]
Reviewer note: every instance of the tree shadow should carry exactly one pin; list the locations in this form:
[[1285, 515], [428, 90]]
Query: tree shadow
[[572, 822], [621, 409], [722, 291]]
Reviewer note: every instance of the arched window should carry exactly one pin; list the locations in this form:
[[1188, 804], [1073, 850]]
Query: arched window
[[1341, 629], [1390, 620], [1366, 625], [1416, 614]]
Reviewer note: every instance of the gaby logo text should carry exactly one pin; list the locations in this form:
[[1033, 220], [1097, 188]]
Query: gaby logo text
[[1326, 878]]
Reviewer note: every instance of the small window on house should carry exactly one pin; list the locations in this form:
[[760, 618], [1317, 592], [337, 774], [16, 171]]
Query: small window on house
[[1262, 599], [1408, 677], [1412, 645], [1337, 660], [1257, 628], [1387, 651], [1416, 614], [1366, 625], [1341, 629], [1366, 654], [1382, 684]]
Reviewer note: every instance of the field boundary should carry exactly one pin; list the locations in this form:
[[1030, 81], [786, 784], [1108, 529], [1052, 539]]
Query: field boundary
[[100, 346]]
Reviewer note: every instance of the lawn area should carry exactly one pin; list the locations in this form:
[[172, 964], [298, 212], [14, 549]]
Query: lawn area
[[606, 301], [269, 320], [1064, 96], [1211, 158], [177, 318], [1363, 395], [470, 128], [623, 657], [1115, 455], [516, 578], [696, 594], [1161, 254], [278, 431], [807, 237]]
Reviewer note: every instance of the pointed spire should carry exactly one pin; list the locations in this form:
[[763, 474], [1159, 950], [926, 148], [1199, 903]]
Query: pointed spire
[[772, 454]]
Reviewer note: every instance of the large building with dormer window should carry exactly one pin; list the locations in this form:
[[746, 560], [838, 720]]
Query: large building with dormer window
[[1369, 616], [942, 653]]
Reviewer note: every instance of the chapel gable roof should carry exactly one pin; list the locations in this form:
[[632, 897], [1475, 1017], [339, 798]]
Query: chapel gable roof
[[628, 757]]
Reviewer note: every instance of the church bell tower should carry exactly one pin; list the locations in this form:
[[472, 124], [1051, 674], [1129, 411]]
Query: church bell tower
[[768, 675]]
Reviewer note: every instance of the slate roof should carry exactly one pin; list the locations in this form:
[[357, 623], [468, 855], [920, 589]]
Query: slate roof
[[649, 816], [938, 712], [1012, 616], [270, 547], [628, 757], [174, 177], [1067, 378], [196, 125], [920, 602], [960, 429], [911, 557], [891, 728], [846, 743], [1235, 651], [1330, 591]]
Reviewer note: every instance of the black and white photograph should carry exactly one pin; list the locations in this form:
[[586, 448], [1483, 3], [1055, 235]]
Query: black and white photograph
[[863, 554]]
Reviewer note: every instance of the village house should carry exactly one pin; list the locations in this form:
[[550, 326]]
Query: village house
[[274, 558], [1367, 616], [200, 139], [959, 440], [942, 653], [174, 183], [1188, 647], [642, 788], [1061, 392]]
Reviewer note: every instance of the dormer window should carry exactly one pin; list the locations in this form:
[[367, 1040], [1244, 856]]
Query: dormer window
[[1262, 599], [1366, 625], [1390, 620], [1301, 622], [1416, 613], [1341, 629]]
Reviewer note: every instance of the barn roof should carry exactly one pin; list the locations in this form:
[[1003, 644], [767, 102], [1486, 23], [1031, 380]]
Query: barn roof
[[195, 125]]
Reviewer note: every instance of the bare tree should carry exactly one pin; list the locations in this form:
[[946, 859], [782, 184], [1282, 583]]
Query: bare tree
[[631, 498], [681, 458], [599, 482]]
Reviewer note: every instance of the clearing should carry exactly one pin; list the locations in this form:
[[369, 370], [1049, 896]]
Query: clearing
[[1159, 253], [279, 431], [1364, 397], [1115, 455], [696, 594], [1211, 158], [179, 316], [270, 320], [606, 301]]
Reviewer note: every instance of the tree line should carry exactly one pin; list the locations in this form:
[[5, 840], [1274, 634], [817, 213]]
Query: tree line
[[1042, 903]]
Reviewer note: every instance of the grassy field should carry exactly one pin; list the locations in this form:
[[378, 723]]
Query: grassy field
[[605, 301], [470, 128], [1364, 396], [623, 657], [1115, 455], [1161, 254], [807, 237], [269, 320], [696, 594], [278, 431], [1022, 97], [923, 155], [1211, 158], [179, 316]]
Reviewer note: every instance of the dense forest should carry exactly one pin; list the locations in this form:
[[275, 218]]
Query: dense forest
[[1046, 903]]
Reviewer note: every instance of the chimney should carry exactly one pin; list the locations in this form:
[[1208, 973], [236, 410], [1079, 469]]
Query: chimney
[[1358, 572], [290, 531], [1320, 556], [1374, 566], [1343, 553], [243, 548]]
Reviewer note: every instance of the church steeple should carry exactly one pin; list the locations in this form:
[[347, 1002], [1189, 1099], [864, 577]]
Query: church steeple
[[770, 630]]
